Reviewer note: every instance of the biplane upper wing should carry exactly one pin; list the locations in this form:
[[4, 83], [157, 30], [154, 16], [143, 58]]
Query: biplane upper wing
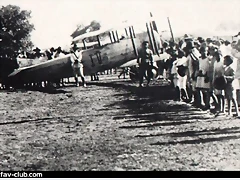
[[90, 34]]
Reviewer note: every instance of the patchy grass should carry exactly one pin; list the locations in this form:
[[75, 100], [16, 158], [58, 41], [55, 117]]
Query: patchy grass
[[112, 125]]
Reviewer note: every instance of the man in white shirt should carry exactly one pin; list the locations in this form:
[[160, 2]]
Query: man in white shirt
[[178, 72], [187, 39], [78, 66], [226, 48], [193, 56]]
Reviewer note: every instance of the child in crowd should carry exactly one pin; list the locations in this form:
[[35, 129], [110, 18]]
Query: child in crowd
[[230, 89], [218, 71], [203, 79], [212, 60]]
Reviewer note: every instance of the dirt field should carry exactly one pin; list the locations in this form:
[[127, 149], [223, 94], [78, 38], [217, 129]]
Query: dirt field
[[112, 125]]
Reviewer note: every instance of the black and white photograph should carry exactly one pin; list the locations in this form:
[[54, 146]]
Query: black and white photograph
[[119, 85]]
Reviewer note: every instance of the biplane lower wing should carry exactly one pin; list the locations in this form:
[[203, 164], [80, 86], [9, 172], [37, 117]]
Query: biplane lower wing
[[156, 58], [50, 70]]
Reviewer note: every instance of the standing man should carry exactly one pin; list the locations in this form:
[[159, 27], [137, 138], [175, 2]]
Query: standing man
[[164, 57], [78, 67], [187, 40], [145, 61], [203, 79], [193, 69], [59, 53], [52, 52]]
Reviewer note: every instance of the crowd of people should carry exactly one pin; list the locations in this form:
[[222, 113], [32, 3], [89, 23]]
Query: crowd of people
[[203, 71], [47, 54]]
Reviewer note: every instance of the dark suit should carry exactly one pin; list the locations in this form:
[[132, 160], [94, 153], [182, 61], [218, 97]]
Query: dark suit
[[145, 61]]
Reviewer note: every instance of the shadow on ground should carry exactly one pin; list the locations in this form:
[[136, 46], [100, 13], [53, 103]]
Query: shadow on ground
[[43, 90], [154, 107]]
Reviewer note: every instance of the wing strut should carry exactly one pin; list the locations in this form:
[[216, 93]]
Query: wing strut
[[133, 43], [98, 39], [126, 32], [110, 37], [84, 43], [154, 40], [170, 27], [150, 39], [113, 36], [117, 36], [133, 32]]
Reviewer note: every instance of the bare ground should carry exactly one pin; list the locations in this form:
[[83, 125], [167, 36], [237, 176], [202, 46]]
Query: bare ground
[[112, 125]]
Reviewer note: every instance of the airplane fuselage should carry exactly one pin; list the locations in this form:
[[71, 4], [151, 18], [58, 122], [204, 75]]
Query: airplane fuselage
[[113, 55], [94, 60]]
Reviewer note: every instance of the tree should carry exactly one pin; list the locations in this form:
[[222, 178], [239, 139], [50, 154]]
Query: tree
[[15, 30]]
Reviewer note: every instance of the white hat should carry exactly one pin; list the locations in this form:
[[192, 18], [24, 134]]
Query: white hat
[[181, 61]]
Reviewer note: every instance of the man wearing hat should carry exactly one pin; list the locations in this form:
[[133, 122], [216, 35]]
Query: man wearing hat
[[209, 40], [37, 52], [200, 39], [179, 73], [193, 56], [52, 52], [187, 39], [59, 53], [225, 48], [197, 45], [203, 43], [48, 54], [172, 52], [212, 49]]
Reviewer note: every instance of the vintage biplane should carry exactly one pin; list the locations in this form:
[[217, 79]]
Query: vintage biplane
[[110, 51]]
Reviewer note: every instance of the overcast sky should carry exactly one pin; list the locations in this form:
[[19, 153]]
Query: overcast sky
[[55, 20]]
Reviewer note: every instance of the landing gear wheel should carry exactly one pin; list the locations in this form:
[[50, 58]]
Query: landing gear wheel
[[134, 74], [154, 74]]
